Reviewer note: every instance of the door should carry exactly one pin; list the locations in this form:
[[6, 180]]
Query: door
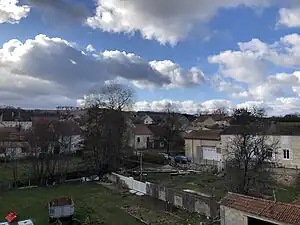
[[254, 221], [210, 153]]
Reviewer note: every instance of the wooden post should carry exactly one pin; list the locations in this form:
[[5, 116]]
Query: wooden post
[[141, 167]]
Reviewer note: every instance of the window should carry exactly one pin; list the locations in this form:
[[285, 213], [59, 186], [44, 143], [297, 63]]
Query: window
[[270, 153], [286, 154], [138, 140]]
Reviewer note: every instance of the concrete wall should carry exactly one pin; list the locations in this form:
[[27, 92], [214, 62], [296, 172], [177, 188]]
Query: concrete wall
[[193, 148], [292, 143], [191, 202], [230, 216]]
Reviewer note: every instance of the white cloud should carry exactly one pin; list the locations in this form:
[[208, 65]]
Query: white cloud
[[188, 106], [249, 66], [237, 64], [54, 66], [289, 17], [11, 12], [179, 77], [90, 48], [167, 21], [278, 106], [250, 63]]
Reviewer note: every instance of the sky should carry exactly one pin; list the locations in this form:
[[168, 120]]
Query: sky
[[195, 55]]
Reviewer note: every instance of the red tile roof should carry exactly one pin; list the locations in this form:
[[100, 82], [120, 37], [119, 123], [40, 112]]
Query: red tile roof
[[141, 129], [278, 211]]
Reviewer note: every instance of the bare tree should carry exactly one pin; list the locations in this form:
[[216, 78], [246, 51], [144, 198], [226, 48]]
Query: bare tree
[[221, 111], [112, 95], [105, 126], [250, 152], [47, 141], [171, 128]]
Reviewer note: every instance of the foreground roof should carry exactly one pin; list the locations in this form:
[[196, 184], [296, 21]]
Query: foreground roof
[[267, 129], [278, 211], [204, 135]]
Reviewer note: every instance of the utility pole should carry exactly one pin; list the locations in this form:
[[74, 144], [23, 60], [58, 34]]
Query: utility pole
[[141, 167]]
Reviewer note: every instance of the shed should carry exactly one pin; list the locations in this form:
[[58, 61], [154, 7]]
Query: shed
[[237, 209]]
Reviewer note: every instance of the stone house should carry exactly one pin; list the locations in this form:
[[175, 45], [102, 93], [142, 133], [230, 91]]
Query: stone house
[[15, 118], [140, 136], [203, 146], [13, 143], [287, 137], [236, 209], [211, 121]]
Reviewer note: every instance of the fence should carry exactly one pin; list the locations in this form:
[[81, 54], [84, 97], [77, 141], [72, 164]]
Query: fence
[[188, 200]]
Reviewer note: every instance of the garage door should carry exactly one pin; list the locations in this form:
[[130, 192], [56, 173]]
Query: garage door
[[210, 153]]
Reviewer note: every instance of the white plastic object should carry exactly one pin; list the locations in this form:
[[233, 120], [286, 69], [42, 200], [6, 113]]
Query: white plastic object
[[25, 222]]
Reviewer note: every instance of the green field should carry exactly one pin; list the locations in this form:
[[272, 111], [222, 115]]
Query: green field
[[90, 200]]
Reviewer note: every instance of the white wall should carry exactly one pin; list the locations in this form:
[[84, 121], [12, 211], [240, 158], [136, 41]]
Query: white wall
[[291, 143], [143, 141], [148, 120], [131, 183], [25, 125], [194, 146], [13, 152]]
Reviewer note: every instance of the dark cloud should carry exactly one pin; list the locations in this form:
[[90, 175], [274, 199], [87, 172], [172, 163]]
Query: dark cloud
[[62, 8]]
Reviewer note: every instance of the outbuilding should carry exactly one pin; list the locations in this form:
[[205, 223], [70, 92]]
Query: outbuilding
[[236, 209]]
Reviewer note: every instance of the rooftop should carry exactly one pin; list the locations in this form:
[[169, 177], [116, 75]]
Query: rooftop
[[278, 211], [204, 135], [141, 129], [267, 129]]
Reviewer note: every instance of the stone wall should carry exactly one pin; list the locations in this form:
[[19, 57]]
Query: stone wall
[[192, 202]]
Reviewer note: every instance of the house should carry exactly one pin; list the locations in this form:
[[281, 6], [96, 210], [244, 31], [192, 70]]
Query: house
[[13, 143], [212, 120], [203, 146], [158, 133], [147, 120], [15, 118], [72, 135], [236, 209], [287, 152], [140, 136]]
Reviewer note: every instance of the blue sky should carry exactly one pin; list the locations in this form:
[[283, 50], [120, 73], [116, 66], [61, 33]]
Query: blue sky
[[197, 56]]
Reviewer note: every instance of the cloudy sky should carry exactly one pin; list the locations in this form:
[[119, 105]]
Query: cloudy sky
[[197, 55]]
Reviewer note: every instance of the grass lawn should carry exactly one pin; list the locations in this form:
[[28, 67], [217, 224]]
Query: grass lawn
[[24, 168], [205, 183], [90, 199], [209, 183]]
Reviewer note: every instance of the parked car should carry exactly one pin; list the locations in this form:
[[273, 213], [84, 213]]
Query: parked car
[[182, 159]]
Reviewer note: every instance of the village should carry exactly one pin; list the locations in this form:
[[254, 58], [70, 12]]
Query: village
[[171, 168], [149, 112]]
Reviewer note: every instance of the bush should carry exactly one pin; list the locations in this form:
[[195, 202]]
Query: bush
[[154, 158]]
